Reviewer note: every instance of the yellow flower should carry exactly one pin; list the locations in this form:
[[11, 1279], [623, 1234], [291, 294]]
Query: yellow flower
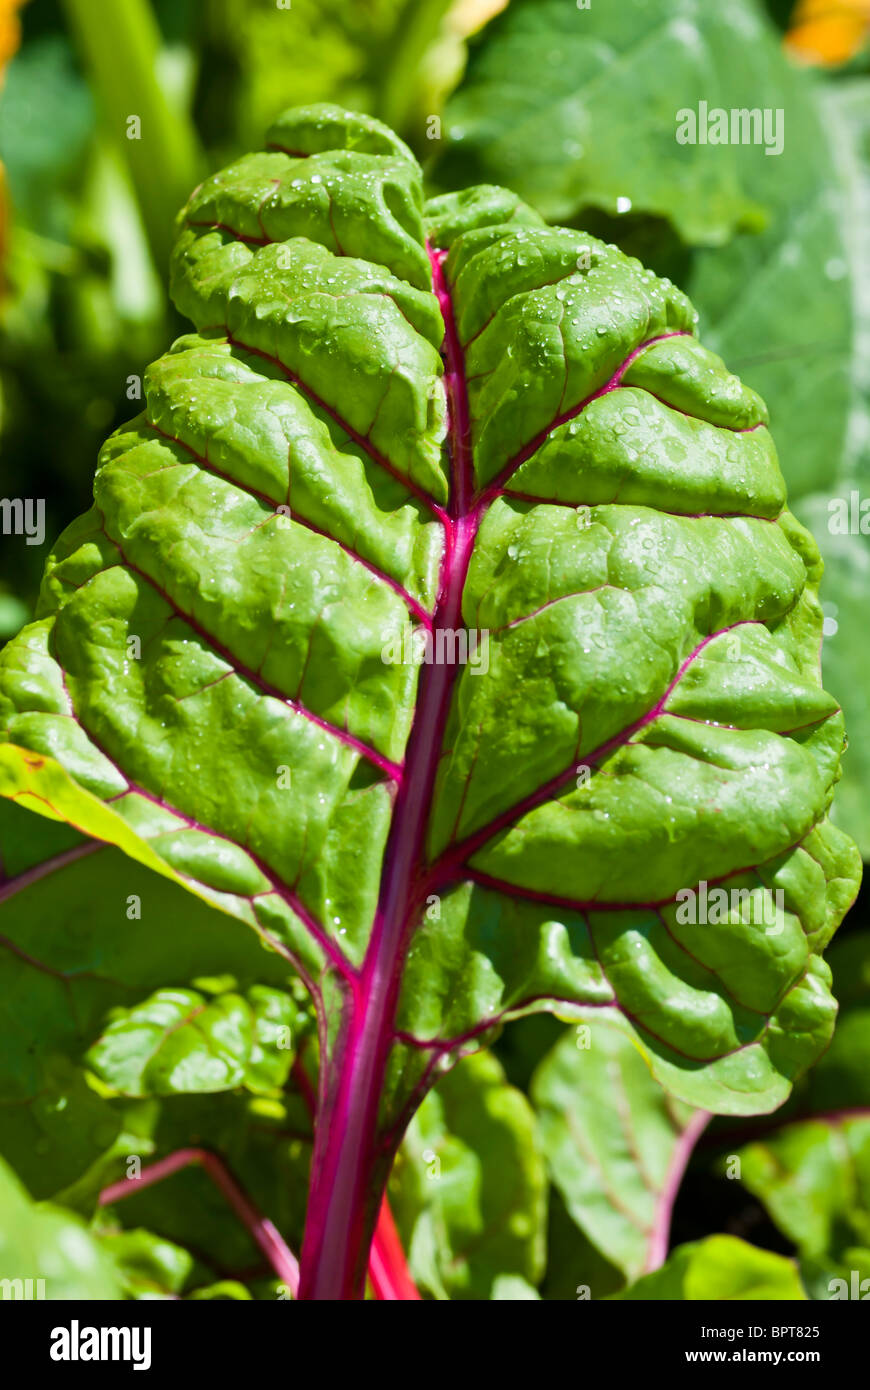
[[828, 31]]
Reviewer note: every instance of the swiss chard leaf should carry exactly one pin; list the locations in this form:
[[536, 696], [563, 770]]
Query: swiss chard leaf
[[616, 1143], [182, 1041], [85, 931], [441, 618]]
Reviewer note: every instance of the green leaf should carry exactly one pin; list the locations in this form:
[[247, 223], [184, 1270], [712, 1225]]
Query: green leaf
[[449, 656], [146, 1265], [43, 1242], [576, 110], [616, 1143], [814, 1180], [469, 1188], [810, 1166], [719, 1269], [579, 108], [840, 1080], [180, 1041], [71, 953], [835, 478], [265, 1144]]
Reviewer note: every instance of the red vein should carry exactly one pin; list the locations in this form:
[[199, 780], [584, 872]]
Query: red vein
[[386, 765], [454, 858], [416, 608], [364, 443], [661, 1232], [10, 886], [262, 1231], [541, 437]]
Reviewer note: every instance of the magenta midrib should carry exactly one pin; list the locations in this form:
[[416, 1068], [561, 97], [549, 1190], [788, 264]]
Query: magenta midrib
[[346, 1142]]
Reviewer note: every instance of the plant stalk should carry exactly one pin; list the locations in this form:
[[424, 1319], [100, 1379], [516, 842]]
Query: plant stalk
[[350, 1164]]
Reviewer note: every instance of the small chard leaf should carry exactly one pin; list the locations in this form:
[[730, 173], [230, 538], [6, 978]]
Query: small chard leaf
[[444, 628], [72, 954], [617, 1144], [180, 1041], [50, 1244], [719, 1269], [468, 1190]]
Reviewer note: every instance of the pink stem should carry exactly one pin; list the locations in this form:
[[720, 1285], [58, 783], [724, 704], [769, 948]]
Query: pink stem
[[262, 1231], [388, 1268], [661, 1232], [388, 1271], [349, 1166]]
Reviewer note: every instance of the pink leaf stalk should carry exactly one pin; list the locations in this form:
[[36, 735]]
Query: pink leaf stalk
[[263, 1233], [349, 1167]]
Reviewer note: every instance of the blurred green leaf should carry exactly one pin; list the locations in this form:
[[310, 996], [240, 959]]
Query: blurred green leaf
[[575, 108], [71, 953], [616, 1143], [721, 1269], [120, 44], [814, 1180], [146, 1265], [46, 124], [840, 467], [50, 1244]]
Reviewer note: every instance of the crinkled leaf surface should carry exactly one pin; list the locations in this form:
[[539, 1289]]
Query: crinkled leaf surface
[[181, 1040], [468, 1190], [370, 447], [616, 1143], [548, 105], [720, 1269]]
